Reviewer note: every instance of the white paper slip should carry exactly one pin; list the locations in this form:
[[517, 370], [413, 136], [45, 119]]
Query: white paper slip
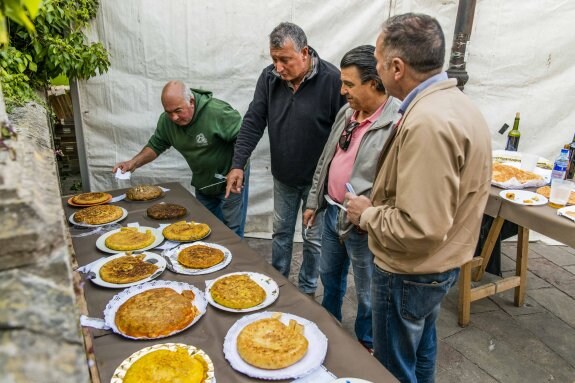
[[319, 375], [164, 189], [133, 224], [332, 202], [98, 323], [118, 198], [123, 176]]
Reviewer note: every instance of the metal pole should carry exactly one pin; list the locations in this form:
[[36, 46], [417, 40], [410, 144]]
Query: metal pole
[[79, 127], [462, 33]]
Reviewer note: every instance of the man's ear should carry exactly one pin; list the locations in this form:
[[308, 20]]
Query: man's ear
[[305, 51], [398, 67]]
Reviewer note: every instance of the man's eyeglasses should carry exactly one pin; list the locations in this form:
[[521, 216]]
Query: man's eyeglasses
[[345, 138]]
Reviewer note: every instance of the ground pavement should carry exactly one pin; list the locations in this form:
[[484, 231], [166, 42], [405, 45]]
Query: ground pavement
[[503, 343]]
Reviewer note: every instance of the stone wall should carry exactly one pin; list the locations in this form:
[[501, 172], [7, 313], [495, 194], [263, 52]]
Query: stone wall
[[40, 338]]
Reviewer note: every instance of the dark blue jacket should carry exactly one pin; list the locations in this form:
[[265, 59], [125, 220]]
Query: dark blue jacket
[[298, 123]]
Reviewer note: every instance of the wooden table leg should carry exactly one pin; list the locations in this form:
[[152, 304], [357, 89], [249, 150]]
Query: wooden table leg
[[488, 246], [521, 265], [464, 295]]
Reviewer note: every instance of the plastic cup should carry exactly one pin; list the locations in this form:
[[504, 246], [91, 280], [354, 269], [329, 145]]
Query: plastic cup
[[529, 161], [560, 191]]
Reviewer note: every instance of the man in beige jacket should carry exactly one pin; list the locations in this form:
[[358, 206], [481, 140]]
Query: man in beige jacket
[[427, 199]]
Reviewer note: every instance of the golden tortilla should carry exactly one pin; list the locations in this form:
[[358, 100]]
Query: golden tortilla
[[546, 192], [503, 173], [270, 344], [186, 231], [200, 257], [127, 269], [237, 292], [143, 193], [98, 215], [156, 313], [129, 238], [166, 366], [90, 198]]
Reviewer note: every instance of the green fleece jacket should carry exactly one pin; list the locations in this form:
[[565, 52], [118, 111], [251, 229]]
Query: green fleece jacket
[[207, 143]]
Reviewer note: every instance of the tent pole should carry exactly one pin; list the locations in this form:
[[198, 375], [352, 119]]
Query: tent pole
[[461, 35]]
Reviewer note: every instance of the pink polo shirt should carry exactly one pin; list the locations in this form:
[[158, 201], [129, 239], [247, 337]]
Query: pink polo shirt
[[342, 162]]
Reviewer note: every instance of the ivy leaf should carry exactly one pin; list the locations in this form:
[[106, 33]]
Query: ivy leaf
[[32, 66], [14, 11], [33, 7], [3, 30]]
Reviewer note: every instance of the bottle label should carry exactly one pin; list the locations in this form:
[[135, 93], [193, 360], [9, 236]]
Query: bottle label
[[512, 144]]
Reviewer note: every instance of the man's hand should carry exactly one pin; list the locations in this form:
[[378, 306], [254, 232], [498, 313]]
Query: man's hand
[[126, 166], [356, 206], [308, 217], [235, 181]]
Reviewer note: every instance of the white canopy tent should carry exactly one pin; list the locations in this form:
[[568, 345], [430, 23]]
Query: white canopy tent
[[518, 61]]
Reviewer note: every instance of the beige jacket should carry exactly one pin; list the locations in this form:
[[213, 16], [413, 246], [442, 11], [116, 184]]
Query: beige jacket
[[430, 192]]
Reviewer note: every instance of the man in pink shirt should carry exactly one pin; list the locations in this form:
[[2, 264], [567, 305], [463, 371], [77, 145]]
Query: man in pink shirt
[[350, 156]]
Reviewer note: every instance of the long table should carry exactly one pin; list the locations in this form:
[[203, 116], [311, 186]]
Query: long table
[[345, 356], [542, 219]]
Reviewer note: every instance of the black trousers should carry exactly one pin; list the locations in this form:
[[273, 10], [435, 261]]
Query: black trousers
[[509, 229]]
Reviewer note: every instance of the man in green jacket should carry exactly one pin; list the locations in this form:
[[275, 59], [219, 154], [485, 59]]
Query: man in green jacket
[[203, 129]]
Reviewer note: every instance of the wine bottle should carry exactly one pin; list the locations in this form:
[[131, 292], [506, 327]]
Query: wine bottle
[[513, 136], [571, 167]]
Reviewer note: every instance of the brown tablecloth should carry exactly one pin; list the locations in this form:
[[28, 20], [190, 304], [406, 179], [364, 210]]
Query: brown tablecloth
[[542, 219], [345, 356]]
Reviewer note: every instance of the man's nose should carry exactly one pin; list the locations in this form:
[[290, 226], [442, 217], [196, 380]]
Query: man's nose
[[279, 68]]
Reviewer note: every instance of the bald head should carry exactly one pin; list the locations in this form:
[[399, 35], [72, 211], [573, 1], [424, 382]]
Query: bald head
[[178, 102]]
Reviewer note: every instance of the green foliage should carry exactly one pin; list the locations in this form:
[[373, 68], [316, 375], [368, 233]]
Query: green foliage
[[15, 10], [57, 48]]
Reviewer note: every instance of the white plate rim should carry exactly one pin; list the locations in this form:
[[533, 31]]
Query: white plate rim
[[317, 349], [100, 282], [101, 241], [269, 285], [117, 300], [122, 369], [526, 195], [176, 267], [562, 212], [73, 221]]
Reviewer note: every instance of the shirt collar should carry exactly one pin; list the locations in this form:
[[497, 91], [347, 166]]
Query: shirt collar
[[415, 91]]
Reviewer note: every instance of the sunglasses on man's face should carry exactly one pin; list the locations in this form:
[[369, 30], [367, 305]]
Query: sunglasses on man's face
[[345, 138]]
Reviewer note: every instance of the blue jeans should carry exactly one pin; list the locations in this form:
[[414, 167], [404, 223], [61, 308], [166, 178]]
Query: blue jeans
[[405, 308], [287, 200], [333, 267], [231, 211]]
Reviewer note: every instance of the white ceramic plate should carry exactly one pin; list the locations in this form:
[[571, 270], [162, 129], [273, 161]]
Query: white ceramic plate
[[176, 267], [317, 349], [269, 285], [101, 241], [94, 273], [120, 298], [524, 197], [350, 380], [73, 221], [565, 210], [120, 372]]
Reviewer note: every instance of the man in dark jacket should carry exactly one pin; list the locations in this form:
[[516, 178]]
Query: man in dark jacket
[[297, 98]]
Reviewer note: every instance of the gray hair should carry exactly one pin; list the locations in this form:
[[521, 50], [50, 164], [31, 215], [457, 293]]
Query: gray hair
[[363, 59], [415, 38], [286, 31], [183, 87]]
